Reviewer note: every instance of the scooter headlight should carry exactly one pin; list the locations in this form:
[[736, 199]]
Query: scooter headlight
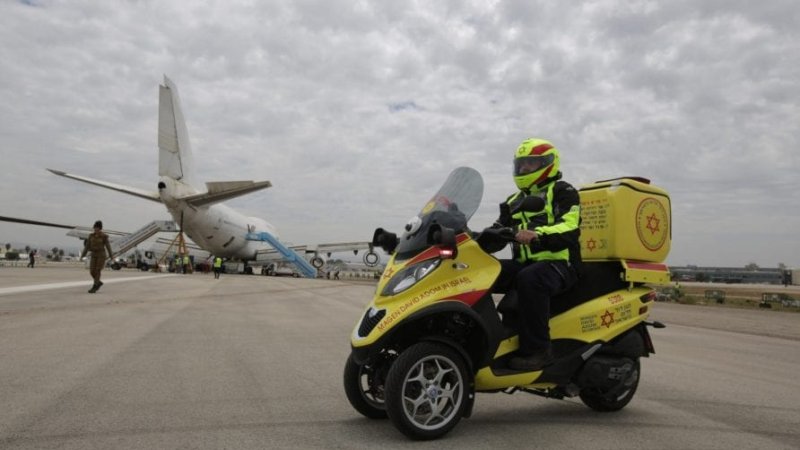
[[409, 276]]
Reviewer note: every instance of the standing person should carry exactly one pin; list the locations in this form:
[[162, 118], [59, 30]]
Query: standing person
[[546, 250], [217, 266], [97, 243], [31, 258]]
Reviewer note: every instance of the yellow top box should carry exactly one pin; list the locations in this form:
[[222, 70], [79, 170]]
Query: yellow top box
[[625, 218]]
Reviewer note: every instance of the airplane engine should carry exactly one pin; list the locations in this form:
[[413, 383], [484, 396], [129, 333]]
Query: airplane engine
[[371, 259], [317, 261]]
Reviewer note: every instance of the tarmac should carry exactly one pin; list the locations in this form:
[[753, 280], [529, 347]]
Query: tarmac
[[187, 361]]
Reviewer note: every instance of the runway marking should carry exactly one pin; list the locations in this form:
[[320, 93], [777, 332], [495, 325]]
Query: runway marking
[[69, 284]]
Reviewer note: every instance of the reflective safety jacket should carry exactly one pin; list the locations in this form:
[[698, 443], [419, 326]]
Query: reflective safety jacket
[[556, 226]]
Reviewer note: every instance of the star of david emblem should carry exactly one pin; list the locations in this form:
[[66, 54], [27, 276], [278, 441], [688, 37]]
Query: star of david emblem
[[607, 319], [652, 223], [389, 272], [591, 244]]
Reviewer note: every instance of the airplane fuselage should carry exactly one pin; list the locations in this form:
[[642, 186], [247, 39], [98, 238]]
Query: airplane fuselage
[[200, 214], [217, 228]]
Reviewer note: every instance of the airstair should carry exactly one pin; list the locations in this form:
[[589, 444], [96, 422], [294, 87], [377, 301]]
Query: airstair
[[126, 243], [288, 254]]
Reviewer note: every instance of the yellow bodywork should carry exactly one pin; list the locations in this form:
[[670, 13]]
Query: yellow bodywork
[[625, 219], [599, 320], [472, 271]]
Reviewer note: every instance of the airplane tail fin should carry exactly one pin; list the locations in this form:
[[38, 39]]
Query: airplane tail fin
[[174, 151]]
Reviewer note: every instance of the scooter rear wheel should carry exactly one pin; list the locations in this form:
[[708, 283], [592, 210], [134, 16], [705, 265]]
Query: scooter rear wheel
[[363, 386], [605, 401], [426, 390]]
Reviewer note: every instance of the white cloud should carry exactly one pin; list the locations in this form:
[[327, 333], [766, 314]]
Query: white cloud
[[357, 110]]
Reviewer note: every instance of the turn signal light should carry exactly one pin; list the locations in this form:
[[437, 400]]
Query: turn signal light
[[649, 297]]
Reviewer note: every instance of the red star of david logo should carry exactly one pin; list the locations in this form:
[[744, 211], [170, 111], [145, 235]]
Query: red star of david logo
[[607, 319], [591, 244], [389, 272], [652, 223]]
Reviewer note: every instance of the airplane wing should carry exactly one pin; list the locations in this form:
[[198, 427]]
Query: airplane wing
[[34, 222], [120, 241], [152, 196], [340, 247], [370, 257], [75, 230], [316, 254], [271, 254], [224, 190]]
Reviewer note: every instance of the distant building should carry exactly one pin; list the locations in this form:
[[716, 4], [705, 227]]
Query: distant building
[[735, 275]]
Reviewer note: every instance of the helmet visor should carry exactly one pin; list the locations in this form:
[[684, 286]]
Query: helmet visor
[[529, 164]]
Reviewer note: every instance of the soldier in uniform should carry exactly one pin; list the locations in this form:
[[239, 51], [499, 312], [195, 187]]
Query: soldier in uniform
[[97, 243]]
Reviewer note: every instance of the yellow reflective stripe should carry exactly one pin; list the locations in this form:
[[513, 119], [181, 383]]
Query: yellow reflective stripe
[[562, 255], [571, 221]]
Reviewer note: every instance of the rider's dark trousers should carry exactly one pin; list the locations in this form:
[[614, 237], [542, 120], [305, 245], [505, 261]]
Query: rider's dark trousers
[[536, 283]]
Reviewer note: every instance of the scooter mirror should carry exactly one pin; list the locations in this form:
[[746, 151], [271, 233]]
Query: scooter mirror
[[445, 239], [385, 240]]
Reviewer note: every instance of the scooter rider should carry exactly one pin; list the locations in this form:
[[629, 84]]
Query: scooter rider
[[546, 250]]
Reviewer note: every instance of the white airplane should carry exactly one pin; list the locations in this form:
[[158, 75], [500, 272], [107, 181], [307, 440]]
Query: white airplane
[[216, 228]]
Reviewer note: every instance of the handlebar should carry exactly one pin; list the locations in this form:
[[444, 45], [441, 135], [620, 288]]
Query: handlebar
[[493, 240], [506, 233]]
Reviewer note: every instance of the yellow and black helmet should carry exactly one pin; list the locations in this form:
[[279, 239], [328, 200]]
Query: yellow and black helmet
[[535, 161]]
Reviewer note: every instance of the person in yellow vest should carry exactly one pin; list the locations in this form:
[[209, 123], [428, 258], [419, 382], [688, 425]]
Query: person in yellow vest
[[97, 243], [217, 266], [546, 250], [187, 265]]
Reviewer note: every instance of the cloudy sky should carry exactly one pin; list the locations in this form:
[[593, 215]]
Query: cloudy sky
[[357, 110]]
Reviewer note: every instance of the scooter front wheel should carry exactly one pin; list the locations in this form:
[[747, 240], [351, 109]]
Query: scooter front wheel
[[363, 386], [426, 390]]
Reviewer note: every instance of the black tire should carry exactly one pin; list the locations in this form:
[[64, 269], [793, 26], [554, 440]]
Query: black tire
[[426, 390], [601, 401], [371, 259], [317, 262], [364, 388]]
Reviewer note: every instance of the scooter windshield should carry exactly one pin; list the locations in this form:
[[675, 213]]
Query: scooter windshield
[[452, 206]]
